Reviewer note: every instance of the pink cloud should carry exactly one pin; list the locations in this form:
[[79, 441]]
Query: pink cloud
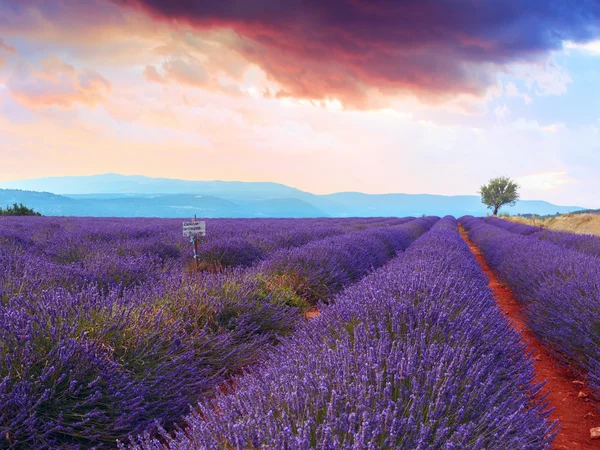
[[151, 74], [56, 83], [186, 72], [179, 70], [7, 48]]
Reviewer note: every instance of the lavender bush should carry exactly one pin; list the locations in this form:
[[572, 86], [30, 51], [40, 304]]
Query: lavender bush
[[316, 271]]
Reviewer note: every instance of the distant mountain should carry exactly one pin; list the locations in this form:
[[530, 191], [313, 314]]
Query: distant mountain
[[440, 205], [139, 196], [112, 183], [183, 205]]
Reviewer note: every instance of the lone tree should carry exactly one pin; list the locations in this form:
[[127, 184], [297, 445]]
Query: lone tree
[[499, 192]]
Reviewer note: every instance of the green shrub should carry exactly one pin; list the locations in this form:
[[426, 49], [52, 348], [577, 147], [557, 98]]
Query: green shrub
[[18, 210]]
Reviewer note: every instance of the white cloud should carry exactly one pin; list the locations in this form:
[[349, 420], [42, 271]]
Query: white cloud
[[544, 77], [544, 180], [501, 112], [589, 47], [553, 128], [512, 91]]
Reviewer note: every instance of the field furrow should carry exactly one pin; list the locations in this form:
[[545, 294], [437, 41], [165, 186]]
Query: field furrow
[[564, 391], [558, 292]]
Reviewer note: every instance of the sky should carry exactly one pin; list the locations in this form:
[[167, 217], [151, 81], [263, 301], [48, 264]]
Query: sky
[[378, 96]]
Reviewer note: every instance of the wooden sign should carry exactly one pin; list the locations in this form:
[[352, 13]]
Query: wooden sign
[[194, 228]]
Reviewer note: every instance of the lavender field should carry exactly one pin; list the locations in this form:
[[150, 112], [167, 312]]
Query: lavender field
[[109, 338], [105, 331]]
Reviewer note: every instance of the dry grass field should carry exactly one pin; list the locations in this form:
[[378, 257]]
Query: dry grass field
[[574, 223]]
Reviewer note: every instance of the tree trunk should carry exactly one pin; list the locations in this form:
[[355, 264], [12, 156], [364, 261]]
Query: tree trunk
[[496, 208]]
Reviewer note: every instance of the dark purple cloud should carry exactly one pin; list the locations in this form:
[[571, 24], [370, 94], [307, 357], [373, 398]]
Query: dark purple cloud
[[321, 48]]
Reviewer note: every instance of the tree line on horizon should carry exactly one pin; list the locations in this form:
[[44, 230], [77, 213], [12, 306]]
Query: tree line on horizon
[[18, 210]]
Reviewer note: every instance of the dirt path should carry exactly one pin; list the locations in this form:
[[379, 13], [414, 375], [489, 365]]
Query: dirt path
[[313, 313], [576, 414]]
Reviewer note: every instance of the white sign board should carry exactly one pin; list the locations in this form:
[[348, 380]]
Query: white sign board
[[194, 228]]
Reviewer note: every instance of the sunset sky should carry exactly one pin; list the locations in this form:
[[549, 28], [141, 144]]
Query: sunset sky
[[415, 96]]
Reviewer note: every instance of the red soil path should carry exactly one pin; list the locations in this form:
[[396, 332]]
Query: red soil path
[[313, 313], [576, 414]]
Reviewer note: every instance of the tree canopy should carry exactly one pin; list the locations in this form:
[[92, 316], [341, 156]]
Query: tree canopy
[[18, 210], [498, 192]]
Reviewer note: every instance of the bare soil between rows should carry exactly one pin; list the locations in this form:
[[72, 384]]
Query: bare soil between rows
[[313, 313], [576, 414]]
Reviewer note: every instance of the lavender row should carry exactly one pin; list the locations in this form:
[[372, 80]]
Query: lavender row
[[317, 270], [415, 355], [109, 229], [230, 242], [42, 253], [583, 243], [558, 289], [81, 367], [245, 249]]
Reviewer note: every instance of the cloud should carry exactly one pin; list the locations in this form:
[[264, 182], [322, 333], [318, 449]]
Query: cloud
[[5, 48], [592, 47], [431, 49], [511, 90], [182, 71], [545, 77], [501, 112], [544, 181], [46, 19], [56, 83], [185, 72], [553, 128], [151, 74], [96, 31]]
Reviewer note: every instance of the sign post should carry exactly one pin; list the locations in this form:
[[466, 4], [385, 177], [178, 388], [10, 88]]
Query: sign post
[[192, 230]]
